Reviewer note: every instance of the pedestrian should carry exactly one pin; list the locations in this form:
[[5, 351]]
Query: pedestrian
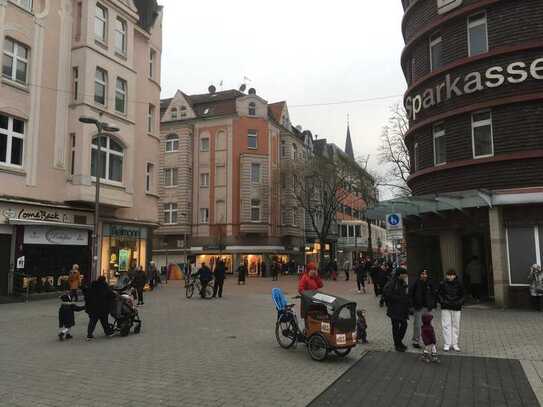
[[361, 326], [219, 274], [424, 299], [152, 277], [474, 270], [310, 280], [398, 303], [263, 269], [66, 317], [74, 281], [429, 354], [275, 271], [98, 301], [346, 269], [205, 275], [451, 298], [242, 272], [535, 278], [383, 277], [140, 279], [361, 275]]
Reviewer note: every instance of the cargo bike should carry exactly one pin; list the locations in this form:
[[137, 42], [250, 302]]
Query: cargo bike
[[330, 323]]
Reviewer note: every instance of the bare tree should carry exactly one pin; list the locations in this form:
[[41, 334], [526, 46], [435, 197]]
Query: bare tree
[[394, 153]]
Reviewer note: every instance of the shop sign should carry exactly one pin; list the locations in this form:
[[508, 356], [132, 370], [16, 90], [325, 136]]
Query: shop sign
[[35, 214], [123, 231], [55, 236]]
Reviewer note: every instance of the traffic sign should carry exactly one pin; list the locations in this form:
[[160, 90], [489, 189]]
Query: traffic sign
[[394, 221]]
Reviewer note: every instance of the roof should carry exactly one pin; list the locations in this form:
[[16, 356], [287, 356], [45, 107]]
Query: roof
[[276, 109], [215, 97], [349, 144]]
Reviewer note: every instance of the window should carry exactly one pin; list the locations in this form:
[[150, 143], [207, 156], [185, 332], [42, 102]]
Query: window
[[252, 109], [150, 119], [72, 154], [255, 210], [12, 132], [416, 156], [100, 23], [170, 177], [436, 49], [283, 149], [204, 144], [170, 214], [252, 142], [26, 4], [481, 130], [440, 144], [294, 151], [120, 96], [477, 34], [149, 177], [204, 215], [255, 173], [111, 159], [120, 36], [174, 113], [100, 86], [172, 143], [152, 57], [204, 180], [15, 61], [75, 81]]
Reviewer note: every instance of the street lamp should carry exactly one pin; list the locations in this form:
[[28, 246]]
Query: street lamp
[[102, 128]]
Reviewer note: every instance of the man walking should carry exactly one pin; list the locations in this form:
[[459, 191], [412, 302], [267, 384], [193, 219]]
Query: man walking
[[205, 276], [219, 274], [98, 299], [397, 300], [423, 298], [346, 268]]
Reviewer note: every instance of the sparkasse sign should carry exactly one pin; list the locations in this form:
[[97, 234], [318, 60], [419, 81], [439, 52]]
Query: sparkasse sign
[[493, 77]]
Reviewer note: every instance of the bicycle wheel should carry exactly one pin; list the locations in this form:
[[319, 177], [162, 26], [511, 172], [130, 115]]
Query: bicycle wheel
[[286, 332], [189, 291], [209, 291], [317, 347]]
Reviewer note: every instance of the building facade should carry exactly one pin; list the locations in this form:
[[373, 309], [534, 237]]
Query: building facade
[[220, 193], [63, 60], [475, 90]]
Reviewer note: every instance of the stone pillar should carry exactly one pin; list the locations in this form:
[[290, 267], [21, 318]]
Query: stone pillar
[[498, 250], [450, 244]]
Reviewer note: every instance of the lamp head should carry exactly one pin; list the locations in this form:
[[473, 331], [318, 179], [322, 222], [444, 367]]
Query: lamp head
[[110, 129], [88, 120]]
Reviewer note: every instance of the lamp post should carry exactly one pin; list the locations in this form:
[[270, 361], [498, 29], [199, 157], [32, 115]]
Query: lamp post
[[101, 127]]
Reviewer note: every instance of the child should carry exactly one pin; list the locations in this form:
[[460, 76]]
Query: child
[[66, 317], [361, 326], [429, 339]]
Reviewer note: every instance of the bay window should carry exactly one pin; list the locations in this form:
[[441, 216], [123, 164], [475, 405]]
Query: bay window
[[111, 159]]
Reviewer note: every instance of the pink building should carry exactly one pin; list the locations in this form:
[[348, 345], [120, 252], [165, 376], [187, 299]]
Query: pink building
[[61, 60]]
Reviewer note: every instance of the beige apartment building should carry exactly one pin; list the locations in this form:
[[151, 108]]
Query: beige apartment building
[[221, 193], [61, 60]]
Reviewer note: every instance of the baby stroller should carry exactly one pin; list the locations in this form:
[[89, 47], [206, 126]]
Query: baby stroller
[[124, 311]]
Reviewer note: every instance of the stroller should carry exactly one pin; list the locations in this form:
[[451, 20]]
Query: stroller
[[124, 311]]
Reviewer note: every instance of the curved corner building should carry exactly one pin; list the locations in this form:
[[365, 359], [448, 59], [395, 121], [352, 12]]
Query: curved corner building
[[474, 70]]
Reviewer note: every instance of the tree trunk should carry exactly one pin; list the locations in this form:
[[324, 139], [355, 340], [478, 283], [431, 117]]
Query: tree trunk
[[370, 243], [321, 267]]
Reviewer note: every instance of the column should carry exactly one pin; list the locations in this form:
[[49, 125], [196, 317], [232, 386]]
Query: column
[[450, 244], [498, 250]]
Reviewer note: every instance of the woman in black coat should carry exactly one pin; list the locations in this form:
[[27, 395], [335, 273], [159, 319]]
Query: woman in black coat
[[398, 303]]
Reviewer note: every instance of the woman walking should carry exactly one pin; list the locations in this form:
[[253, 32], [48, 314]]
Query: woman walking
[[451, 298], [74, 280], [535, 278]]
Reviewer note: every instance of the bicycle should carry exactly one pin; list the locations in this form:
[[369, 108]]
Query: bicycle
[[193, 283]]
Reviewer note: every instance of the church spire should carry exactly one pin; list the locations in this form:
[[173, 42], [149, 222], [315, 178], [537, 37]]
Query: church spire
[[348, 143]]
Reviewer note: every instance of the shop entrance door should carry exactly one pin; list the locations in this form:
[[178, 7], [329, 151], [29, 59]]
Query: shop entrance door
[[5, 249]]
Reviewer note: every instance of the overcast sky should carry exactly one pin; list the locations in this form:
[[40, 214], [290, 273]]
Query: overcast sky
[[301, 51]]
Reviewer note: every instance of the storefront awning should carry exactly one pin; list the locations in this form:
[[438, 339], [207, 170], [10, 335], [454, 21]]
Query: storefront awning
[[28, 222]]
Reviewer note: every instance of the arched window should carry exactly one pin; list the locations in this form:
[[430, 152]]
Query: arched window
[[172, 143], [174, 113], [111, 159], [252, 109]]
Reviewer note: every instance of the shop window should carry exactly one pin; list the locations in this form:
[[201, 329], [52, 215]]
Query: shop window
[[440, 144], [100, 86], [111, 159], [204, 144], [12, 134], [523, 251], [170, 177], [477, 34], [170, 214], [252, 140], [255, 210], [172, 143], [100, 23], [252, 109], [436, 51], [204, 215], [15, 61], [255, 173], [481, 130]]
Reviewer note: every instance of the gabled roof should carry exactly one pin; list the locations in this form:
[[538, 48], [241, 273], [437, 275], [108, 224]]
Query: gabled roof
[[214, 97], [276, 109]]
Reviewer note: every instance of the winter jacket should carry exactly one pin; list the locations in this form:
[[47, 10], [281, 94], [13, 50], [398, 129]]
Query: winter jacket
[[242, 272], [219, 271], [397, 299], [361, 272], [427, 331], [205, 274], [98, 298], [535, 279], [140, 279], [451, 295], [423, 294], [66, 318], [74, 280], [308, 283]]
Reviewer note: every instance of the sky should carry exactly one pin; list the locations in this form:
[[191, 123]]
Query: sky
[[305, 52]]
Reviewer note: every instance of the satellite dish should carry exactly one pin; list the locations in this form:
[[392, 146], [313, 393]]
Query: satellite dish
[[212, 89], [242, 88], [252, 91]]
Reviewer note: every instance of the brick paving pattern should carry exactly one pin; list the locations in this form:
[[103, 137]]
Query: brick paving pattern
[[212, 353]]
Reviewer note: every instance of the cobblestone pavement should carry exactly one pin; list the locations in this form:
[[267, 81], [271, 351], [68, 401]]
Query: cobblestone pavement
[[212, 353]]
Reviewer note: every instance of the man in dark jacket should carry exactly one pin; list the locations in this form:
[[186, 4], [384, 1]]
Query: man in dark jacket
[[423, 299], [219, 274], [398, 303], [98, 300], [140, 279], [205, 276], [451, 298]]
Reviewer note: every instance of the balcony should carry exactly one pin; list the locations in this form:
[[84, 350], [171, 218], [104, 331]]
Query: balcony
[[113, 196]]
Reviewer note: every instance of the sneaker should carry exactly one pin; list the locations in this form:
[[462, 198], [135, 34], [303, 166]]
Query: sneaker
[[358, 291], [60, 336], [69, 336], [446, 348], [456, 348]]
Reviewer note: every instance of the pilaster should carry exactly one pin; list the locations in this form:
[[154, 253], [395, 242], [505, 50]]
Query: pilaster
[[498, 248]]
